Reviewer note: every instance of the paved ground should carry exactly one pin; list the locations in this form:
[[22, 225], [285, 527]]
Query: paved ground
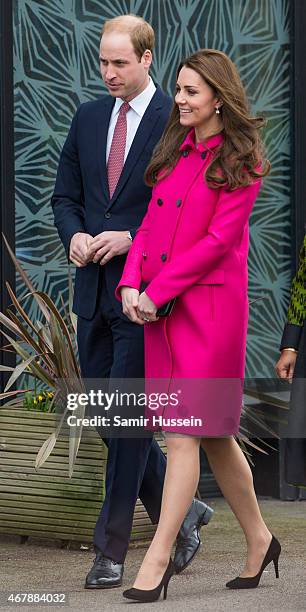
[[43, 566]]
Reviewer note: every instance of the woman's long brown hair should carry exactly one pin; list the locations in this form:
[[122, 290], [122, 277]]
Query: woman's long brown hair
[[240, 158]]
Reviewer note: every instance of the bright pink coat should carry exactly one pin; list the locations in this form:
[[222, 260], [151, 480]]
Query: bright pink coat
[[193, 245]]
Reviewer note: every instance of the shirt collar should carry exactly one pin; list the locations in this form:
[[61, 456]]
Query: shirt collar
[[210, 143], [140, 103]]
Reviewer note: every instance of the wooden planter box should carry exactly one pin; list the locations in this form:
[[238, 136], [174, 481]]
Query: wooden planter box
[[46, 502]]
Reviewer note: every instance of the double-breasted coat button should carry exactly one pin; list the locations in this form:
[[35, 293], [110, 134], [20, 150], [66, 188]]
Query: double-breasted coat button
[[178, 202], [107, 215], [163, 256], [185, 153], [144, 255], [203, 154], [160, 202]]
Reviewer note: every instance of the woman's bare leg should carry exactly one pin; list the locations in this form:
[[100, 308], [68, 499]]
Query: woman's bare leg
[[234, 477], [181, 481]]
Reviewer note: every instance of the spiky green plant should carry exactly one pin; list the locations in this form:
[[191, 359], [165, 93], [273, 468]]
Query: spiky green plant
[[47, 353]]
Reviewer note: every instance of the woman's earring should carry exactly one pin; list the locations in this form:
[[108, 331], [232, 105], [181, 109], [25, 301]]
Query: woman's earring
[[217, 110]]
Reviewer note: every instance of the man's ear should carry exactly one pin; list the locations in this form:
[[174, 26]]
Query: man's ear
[[147, 58]]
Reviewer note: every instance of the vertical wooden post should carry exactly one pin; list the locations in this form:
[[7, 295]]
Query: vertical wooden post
[[7, 205]]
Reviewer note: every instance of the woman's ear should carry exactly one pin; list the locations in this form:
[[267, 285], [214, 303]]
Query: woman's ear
[[218, 102]]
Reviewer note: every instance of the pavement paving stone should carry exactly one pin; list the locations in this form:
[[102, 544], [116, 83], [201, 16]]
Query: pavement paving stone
[[42, 565]]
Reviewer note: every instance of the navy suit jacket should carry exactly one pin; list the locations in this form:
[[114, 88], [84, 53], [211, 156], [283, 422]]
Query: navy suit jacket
[[81, 201]]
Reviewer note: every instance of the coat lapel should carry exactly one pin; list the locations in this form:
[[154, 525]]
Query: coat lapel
[[143, 134], [103, 120]]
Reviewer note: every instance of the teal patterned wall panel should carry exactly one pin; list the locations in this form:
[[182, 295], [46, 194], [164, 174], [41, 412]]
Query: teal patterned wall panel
[[56, 68]]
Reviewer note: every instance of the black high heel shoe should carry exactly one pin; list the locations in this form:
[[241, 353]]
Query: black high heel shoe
[[146, 596], [252, 582]]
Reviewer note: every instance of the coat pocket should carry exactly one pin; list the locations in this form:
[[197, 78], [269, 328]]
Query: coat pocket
[[216, 277]]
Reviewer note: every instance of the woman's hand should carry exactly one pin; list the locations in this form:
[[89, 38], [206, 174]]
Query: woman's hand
[[146, 309], [130, 298]]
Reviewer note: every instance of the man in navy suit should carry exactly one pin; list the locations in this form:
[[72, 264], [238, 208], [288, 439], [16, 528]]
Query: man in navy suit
[[99, 201]]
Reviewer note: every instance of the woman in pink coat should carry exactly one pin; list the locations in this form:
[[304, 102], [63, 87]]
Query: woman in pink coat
[[193, 246]]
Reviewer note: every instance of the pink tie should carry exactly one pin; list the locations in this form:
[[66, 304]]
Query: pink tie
[[117, 150]]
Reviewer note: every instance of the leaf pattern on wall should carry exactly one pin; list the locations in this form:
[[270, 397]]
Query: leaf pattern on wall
[[56, 68]]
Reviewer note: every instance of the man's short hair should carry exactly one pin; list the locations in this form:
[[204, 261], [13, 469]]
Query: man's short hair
[[141, 32]]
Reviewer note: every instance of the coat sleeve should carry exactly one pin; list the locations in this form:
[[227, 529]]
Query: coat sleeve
[[184, 270], [297, 305], [67, 200], [131, 276]]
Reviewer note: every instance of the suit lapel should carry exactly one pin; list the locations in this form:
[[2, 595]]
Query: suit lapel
[[103, 120], [142, 135]]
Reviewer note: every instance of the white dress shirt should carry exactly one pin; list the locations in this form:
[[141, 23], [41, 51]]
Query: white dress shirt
[[138, 107]]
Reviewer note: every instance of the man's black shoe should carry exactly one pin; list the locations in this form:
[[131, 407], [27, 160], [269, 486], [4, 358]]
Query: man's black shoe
[[104, 574], [188, 540]]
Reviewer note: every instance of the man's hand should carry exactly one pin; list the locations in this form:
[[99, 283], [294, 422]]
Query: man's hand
[[146, 308], [286, 364], [129, 304], [79, 249], [107, 245]]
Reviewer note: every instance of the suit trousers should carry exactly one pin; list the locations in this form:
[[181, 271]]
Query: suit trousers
[[295, 443], [110, 346]]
